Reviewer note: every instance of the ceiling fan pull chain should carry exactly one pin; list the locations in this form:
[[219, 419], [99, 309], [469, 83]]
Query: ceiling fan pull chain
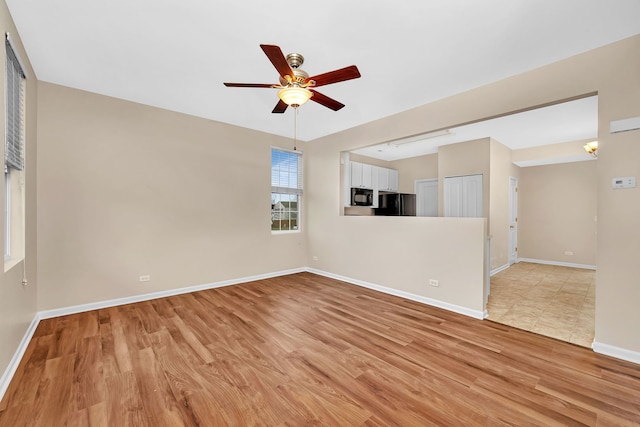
[[295, 128]]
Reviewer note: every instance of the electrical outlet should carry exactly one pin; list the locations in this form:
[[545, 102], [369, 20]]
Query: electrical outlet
[[145, 278], [569, 253], [433, 282], [315, 258]]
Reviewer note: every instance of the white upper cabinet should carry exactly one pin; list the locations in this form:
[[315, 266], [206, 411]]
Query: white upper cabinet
[[393, 180], [367, 176], [387, 179], [383, 178], [361, 175], [356, 175], [373, 177]]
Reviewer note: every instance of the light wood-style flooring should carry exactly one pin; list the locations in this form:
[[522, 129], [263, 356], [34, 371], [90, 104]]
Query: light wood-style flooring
[[556, 301], [305, 350]]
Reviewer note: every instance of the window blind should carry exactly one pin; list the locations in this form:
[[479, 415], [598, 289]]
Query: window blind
[[286, 172], [14, 139]]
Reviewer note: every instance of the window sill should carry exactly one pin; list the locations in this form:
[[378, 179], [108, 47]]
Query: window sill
[[9, 263], [285, 231]]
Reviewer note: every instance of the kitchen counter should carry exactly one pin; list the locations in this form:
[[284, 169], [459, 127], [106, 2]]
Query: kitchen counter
[[358, 211]]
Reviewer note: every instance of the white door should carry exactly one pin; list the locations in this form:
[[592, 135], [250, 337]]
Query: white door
[[472, 196], [427, 197], [463, 196], [453, 196], [513, 220]]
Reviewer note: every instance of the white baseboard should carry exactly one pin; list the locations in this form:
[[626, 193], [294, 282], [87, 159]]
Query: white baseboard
[[424, 300], [499, 269], [8, 374], [47, 314], [561, 264], [617, 352]]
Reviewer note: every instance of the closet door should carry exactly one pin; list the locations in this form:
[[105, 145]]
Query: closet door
[[463, 196], [472, 196], [453, 196]]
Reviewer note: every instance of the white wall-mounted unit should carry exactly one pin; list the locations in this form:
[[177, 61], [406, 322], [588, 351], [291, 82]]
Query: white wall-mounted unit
[[624, 125]]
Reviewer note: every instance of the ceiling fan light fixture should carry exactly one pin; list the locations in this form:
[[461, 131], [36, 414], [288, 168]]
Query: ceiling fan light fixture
[[294, 96]]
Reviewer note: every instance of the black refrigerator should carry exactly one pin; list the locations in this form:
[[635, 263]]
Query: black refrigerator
[[396, 204]]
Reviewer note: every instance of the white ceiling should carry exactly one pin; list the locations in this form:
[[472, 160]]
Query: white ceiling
[[569, 121], [176, 54]]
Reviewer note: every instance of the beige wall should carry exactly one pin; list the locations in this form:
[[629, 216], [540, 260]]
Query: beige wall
[[617, 277], [18, 303], [465, 158], [410, 170], [401, 253], [557, 210], [553, 151], [614, 73], [369, 160], [128, 190]]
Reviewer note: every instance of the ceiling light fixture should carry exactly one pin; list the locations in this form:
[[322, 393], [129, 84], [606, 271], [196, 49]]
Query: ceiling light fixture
[[294, 96], [591, 148]]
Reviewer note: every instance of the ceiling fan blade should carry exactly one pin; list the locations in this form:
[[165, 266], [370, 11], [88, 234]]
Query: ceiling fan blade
[[265, 85], [325, 100], [346, 73], [277, 58], [280, 107]]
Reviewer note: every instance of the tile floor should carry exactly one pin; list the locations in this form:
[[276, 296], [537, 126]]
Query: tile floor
[[550, 300]]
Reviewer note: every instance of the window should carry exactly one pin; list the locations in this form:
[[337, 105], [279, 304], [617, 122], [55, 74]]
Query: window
[[286, 189], [14, 156], [7, 213]]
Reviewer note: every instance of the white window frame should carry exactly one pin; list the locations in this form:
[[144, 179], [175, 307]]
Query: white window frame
[[7, 214], [14, 160], [286, 188]]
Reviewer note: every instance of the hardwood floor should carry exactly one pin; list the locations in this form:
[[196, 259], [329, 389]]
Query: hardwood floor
[[308, 350]]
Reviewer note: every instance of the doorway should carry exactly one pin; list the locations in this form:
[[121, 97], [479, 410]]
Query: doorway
[[549, 285]]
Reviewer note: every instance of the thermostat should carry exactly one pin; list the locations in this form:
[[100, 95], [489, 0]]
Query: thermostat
[[623, 182]]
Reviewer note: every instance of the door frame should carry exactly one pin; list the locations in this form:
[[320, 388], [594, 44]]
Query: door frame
[[513, 220]]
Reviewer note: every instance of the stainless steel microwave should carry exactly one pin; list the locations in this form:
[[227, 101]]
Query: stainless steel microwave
[[361, 197]]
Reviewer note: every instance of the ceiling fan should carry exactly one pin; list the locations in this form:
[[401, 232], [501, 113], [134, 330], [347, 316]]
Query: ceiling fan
[[296, 87]]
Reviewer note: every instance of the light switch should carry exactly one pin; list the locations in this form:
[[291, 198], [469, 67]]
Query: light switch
[[623, 182]]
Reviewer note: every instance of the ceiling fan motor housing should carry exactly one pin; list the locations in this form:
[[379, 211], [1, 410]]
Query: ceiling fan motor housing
[[300, 76], [295, 60]]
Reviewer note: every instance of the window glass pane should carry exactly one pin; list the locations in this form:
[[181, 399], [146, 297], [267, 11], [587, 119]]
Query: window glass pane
[[14, 120], [284, 212], [286, 169]]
